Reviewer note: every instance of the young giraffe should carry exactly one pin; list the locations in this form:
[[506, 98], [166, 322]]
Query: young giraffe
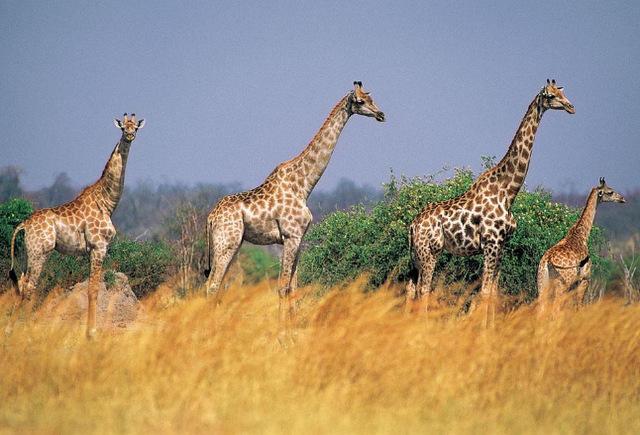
[[276, 212], [566, 265], [479, 220], [80, 226]]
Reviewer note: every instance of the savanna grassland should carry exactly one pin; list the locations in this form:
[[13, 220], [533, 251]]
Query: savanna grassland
[[352, 362]]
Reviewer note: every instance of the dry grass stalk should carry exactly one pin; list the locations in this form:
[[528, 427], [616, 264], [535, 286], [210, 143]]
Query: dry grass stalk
[[355, 364]]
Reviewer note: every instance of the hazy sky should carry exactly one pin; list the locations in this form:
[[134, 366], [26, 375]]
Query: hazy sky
[[230, 89]]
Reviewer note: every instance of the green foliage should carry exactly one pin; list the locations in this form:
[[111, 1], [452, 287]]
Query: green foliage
[[62, 271], [145, 263], [12, 213], [258, 264], [347, 244], [109, 278]]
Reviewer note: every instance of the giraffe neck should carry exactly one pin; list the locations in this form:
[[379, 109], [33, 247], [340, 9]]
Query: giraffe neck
[[310, 164], [111, 183], [512, 169], [580, 231]]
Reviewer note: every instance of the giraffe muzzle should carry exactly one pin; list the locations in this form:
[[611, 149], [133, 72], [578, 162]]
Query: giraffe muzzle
[[569, 108], [380, 117]]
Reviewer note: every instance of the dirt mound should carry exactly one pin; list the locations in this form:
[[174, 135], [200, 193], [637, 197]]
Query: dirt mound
[[118, 306]]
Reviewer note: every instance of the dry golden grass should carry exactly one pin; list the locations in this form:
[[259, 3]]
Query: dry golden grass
[[353, 363]]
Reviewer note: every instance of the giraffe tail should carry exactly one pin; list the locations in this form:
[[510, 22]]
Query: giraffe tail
[[12, 272], [207, 270]]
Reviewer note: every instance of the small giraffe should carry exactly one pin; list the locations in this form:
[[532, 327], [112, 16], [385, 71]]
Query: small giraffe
[[79, 226], [276, 212], [566, 265], [479, 221]]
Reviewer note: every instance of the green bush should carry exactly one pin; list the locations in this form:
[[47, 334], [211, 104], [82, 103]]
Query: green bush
[[258, 264], [12, 213], [62, 270], [145, 263], [349, 243]]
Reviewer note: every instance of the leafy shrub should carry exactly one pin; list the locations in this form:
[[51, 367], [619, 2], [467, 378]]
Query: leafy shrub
[[145, 263], [258, 264], [12, 213], [349, 243]]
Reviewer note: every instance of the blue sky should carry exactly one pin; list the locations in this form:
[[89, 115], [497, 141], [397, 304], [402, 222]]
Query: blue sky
[[230, 89]]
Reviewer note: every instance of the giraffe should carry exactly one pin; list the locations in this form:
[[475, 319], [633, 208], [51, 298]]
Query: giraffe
[[276, 212], [566, 265], [79, 226], [479, 221]]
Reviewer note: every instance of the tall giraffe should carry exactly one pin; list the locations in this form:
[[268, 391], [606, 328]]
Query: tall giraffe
[[79, 226], [276, 212], [480, 219], [566, 265]]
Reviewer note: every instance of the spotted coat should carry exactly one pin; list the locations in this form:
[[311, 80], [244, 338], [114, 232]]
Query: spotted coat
[[566, 266], [80, 226], [479, 221], [276, 212]]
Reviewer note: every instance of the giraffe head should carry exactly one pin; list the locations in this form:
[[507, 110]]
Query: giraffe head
[[363, 104], [607, 194], [552, 97], [129, 126]]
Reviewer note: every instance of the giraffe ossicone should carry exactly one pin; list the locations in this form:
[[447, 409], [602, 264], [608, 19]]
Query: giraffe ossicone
[[80, 226], [276, 212]]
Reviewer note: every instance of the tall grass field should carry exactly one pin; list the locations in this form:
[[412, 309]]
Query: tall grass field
[[350, 362]]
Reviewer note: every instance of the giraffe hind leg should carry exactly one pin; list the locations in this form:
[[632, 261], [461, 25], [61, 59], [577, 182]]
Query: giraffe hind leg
[[427, 243], [226, 241], [411, 288], [28, 282], [95, 279]]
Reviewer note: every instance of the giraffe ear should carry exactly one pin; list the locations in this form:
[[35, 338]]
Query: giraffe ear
[[140, 124], [117, 123]]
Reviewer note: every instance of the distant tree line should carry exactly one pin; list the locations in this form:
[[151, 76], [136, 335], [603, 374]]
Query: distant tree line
[[147, 209]]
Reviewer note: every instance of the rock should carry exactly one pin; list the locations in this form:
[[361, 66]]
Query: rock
[[118, 306]]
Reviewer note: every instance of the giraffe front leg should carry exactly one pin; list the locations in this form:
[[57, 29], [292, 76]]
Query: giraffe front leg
[[287, 271], [95, 279], [583, 285], [492, 251]]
